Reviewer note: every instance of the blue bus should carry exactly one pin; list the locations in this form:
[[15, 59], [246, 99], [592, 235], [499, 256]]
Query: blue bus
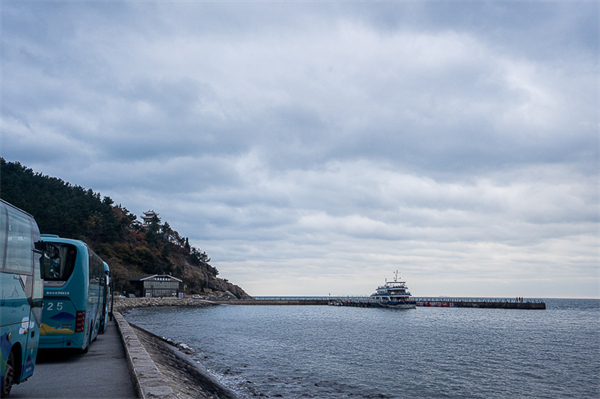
[[21, 292], [74, 286], [106, 300]]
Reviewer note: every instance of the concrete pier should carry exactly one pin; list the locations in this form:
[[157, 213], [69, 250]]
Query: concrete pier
[[316, 301], [480, 303], [489, 303], [485, 303]]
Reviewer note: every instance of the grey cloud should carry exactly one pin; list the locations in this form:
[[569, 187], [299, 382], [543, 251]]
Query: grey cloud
[[413, 113]]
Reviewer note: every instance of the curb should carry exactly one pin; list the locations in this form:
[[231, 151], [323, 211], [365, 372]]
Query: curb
[[197, 374], [148, 380]]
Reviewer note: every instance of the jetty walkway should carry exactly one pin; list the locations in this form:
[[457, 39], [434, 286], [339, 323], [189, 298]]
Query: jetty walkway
[[364, 301], [485, 303]]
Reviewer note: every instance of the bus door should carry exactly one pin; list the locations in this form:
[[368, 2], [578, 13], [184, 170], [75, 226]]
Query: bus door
[[22, 289], [105, 300]]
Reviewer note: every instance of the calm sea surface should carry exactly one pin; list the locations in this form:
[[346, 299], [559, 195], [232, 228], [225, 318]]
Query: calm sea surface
[[344, 352]]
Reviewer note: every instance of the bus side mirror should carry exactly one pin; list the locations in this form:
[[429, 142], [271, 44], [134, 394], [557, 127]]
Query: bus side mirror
[[39, 247], [42, 247]]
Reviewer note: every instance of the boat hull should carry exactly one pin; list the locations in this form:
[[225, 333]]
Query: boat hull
[[396, 305], [401, 305]]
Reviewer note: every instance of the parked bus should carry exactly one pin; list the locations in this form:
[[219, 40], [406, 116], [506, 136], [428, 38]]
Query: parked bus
[[21, 292], [106, 300], [74, 285]]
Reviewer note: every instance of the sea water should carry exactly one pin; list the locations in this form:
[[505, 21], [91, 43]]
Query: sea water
[[346, 352]]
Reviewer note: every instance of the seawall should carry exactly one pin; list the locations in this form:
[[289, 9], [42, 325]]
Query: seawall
[[149, 382], [159, 369]]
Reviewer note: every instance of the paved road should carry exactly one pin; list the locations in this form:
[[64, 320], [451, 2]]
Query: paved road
[[101, 373]]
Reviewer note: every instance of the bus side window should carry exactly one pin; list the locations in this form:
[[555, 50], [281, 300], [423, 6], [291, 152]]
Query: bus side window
[[19, 250], [2, 235], [70, 255]]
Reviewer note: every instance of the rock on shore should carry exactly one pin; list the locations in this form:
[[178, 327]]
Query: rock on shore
[[124, 304]]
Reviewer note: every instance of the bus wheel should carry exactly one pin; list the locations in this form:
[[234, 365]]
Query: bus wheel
[[87, 348], [9, 376]]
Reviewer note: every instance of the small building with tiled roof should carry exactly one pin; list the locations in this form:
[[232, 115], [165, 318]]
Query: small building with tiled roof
[[155, 285], [148, 216]]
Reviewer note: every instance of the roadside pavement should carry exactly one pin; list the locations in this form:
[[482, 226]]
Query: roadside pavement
[[100, 373]]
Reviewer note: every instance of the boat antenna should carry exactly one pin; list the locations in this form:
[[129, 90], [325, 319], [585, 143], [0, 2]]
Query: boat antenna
[[396, 276]]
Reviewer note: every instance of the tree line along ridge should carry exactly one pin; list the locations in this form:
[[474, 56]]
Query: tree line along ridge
[[115, 234]]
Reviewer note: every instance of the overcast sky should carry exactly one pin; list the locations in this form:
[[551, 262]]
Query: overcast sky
[[312, 148]]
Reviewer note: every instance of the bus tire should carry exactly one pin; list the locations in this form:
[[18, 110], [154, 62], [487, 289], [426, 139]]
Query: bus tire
[[89, 342], [9, 376]]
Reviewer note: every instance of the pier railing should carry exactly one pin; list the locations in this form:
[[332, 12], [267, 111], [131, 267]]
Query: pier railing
[[448, 302], [290, 298], [474, 299]]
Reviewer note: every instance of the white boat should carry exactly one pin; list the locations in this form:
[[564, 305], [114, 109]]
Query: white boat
[[393, 294]]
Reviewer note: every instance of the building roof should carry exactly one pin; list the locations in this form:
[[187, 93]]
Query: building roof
[[156, 277], [149, 215]]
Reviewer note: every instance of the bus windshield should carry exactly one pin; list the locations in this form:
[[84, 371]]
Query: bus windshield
[[58, 265], [19, 245]]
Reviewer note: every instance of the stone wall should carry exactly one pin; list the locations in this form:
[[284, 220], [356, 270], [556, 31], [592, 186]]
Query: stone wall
[[149, 382], [123, 304]]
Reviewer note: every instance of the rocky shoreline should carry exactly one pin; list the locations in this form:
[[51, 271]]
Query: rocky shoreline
[[124, 304], [186, 377]]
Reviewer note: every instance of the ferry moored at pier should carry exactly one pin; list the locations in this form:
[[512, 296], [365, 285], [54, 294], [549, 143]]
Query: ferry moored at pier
[[393, 294]]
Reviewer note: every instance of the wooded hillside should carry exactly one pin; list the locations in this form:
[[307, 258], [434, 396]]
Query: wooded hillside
[[129, 247]]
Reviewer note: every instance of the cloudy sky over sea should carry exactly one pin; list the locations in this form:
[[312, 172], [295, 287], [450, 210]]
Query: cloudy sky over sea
[[312, 148]]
